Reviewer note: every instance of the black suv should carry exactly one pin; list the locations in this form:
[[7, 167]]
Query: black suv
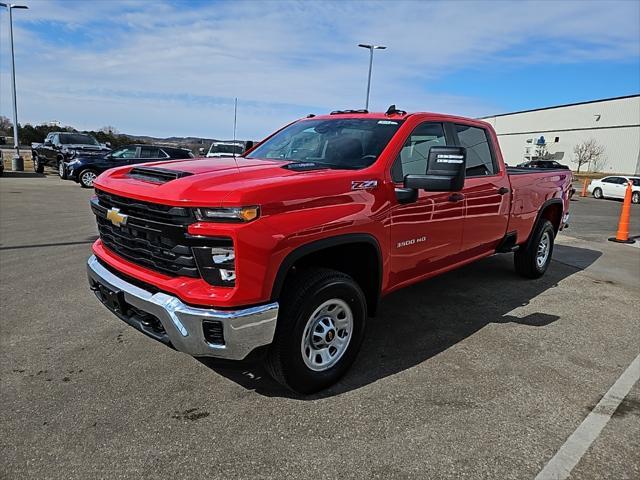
[[84, 170]]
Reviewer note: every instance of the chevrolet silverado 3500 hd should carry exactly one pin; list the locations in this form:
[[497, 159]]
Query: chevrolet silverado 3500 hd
[[286, 250]]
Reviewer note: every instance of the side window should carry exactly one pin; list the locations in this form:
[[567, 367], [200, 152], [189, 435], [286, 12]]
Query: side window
[[415, 151], [151, 152], [480, 161], [55, 139], [129, 152]]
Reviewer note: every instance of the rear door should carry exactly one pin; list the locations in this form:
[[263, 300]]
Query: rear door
[[426, 234], [150, 154], [486, 192]]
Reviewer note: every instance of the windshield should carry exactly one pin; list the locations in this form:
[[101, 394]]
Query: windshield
[[77, 139], [341, 143], [635, 181], [226, 148]]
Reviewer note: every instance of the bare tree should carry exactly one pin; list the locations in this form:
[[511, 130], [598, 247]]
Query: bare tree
[[5, 124], [109, 129], [591, 153]]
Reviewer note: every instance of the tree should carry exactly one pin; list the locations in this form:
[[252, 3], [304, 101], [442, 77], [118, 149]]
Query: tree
[[5, 125], [591, 153]]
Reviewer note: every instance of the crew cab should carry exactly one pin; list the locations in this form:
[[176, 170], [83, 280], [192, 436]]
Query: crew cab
[[84, 169], [60, 148], [284, 253]]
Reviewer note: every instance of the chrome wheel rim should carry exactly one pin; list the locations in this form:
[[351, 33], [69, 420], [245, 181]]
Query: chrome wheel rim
[[543, 250], [61, 169], [327, 335], [597, 193], [88, 178]]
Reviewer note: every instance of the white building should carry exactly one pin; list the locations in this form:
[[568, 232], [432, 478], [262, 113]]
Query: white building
[[612, 122]]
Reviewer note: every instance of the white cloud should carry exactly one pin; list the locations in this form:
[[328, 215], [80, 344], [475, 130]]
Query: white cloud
[[161, 68]]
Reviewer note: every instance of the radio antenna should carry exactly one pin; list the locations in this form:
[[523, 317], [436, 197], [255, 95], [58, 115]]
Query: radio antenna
[[235, 124]]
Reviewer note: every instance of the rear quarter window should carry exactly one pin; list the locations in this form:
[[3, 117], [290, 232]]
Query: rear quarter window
[[480, 158]]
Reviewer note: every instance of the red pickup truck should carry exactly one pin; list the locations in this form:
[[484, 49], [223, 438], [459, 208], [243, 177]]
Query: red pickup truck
[[285, 251]]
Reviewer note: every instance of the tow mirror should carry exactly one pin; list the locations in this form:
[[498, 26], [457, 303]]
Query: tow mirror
[[446, 167]]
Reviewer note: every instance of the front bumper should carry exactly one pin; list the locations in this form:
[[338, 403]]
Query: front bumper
[[182, 325]]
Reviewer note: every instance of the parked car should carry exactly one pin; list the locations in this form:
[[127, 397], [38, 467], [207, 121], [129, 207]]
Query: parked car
[[286, 251], [1, 163], [542, 164], [60, 148], [225, 149], [615, 187], [85, 169]]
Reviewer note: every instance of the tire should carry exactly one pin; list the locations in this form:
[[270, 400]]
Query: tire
[[635, 197], [90, 175], [597, 193], [318, 304], [62, 171], [533, 260], [38, 167]]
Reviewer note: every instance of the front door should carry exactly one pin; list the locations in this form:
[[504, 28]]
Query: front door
[[150, 154], [425, 234]]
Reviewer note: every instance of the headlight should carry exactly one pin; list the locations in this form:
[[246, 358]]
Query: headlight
[[217, 264], [231, 214]]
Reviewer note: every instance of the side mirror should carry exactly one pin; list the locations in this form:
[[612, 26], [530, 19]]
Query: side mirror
[[446, 167], [107, 144]]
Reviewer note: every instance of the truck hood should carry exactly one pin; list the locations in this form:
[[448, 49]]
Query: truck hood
[[214, 181]]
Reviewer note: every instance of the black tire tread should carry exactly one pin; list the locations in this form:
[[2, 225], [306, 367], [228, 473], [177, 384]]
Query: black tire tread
[[296, 294], [524, 258]]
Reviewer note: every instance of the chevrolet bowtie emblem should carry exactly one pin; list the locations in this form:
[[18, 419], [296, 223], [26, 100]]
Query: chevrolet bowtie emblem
[[117, 218]]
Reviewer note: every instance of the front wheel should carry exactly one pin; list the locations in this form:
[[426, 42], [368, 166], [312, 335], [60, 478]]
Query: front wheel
[[87, 177], [533, 260], [62, 170], [320, 329], [635, 197], [38, 167], [597, 193]]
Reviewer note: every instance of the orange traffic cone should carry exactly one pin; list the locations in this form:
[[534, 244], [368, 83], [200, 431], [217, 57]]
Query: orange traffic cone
[[583, 193], [622, 236]]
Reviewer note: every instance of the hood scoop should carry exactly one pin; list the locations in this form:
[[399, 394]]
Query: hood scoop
[[156, 175]]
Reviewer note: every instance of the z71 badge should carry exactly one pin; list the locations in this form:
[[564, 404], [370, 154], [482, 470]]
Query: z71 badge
[[363, 184]]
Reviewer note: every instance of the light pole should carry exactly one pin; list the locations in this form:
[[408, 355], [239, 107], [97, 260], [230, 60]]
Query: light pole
[[371, 49], [17, 164]]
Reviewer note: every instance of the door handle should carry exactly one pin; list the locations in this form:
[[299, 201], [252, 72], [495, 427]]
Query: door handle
[[503, 190], [456, 197]]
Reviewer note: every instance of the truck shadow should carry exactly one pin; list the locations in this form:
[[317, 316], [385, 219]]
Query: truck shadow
[[421, 321]]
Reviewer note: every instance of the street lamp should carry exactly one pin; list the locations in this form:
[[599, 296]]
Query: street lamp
[[17, 164], [371, 49]]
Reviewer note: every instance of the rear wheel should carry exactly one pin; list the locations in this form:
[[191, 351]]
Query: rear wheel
[[87, 177], [635, 197], [38, 167], [533, 260], [320, 329], [62, 170], [597, 193]]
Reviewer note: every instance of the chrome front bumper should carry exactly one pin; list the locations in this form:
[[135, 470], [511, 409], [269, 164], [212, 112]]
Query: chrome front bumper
[[243, 330]]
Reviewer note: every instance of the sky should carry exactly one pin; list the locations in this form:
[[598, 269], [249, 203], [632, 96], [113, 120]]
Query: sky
[[173, 68]]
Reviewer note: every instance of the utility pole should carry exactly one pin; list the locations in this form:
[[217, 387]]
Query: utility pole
[[17, 164]]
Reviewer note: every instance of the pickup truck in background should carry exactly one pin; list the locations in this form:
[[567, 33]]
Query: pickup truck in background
[[59, 148], [225, 149], [283, 253]]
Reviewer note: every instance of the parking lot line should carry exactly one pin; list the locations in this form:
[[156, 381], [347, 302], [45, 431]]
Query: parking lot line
[[560, 466]]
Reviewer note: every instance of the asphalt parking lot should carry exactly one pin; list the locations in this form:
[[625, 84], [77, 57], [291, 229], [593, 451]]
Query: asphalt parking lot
[[474, 374]]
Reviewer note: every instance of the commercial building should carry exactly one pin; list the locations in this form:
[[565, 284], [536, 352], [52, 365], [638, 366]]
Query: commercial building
[[613, 123]]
